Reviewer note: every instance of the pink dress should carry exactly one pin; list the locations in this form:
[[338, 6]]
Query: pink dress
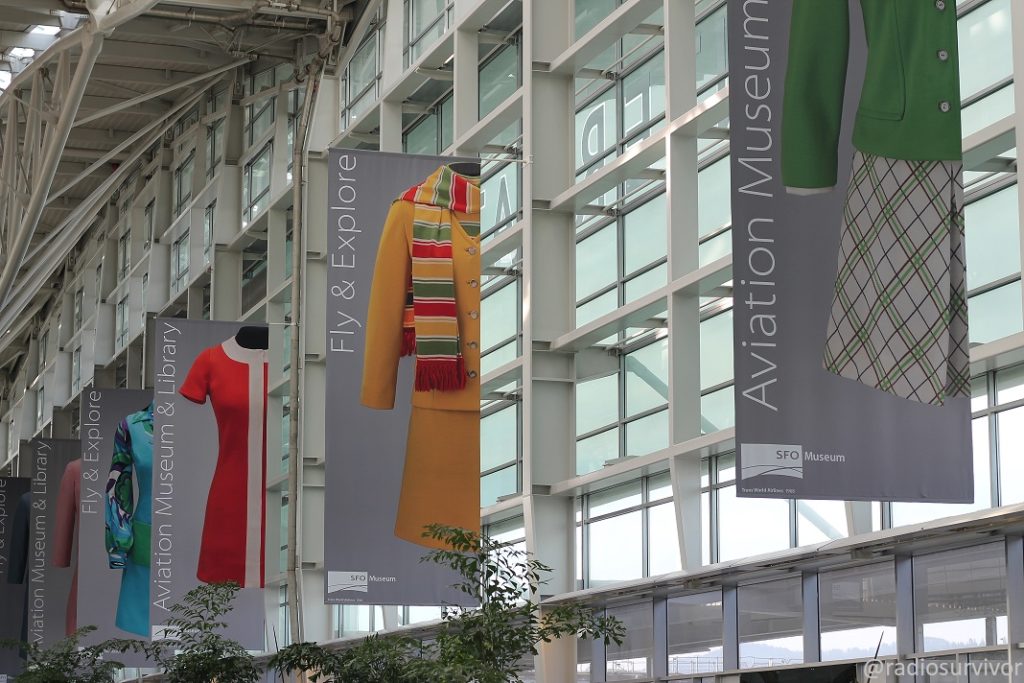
[[66, 536]]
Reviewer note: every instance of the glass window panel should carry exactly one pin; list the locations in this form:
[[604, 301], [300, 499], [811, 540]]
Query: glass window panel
[[663, 543], [643, 94], [725, 466], [423, 13], [589, 13], [913, 513], [986, 49], [616, 549], [614, 499], [987, 110], [992, 238], [446, 123], [819, 521], [596, 258], [362, 69], [646, 377], [644, 235], [500, 194], [659, 486], [715, 248], [995, 314], [960, 598], [499, 78], [1009, 385], [422, 138], [499, 320], [507, 531], [712, 61], [584, 657], [634, 657], [498, 438], [734, 515], [717, 410], [695, 633], [596, 129], [716, 350], [355, 618], [857, 607], [498, 357], [1011, 444], [648, 434], [595, 308], [263, 121], [771, 623], [979, 393], [597, 403], [497, 484], [645, 283], [592, 453], [714, 210]]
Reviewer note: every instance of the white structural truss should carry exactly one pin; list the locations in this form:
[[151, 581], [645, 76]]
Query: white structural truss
[[30, 159], [84, 84], [163, 159]]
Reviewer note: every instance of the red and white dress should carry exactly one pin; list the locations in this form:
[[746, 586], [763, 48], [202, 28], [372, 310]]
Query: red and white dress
[[234, 535]]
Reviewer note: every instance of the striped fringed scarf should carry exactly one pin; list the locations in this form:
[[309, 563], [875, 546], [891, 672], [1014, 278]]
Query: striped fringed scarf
[[430, 325]]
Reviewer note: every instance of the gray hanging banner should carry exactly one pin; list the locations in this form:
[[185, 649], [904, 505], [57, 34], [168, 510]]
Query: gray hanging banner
[[116, 514], [366, 562], [52, 572], [850, 330], [15, 508], [209, 468]]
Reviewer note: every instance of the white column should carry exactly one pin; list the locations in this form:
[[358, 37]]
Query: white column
[[684, 308], [548, 303]]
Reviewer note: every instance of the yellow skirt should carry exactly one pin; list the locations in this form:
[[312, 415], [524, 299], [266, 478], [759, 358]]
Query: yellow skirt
[[441, 479]]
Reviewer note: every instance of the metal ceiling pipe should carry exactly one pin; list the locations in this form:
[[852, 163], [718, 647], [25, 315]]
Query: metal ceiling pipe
[[191, 16], [246, 18], [56, 139]]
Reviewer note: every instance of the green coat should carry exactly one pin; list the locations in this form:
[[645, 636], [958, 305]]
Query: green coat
[[910, 102]]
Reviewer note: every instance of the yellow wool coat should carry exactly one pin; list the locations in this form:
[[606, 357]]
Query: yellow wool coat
[[441, 478]]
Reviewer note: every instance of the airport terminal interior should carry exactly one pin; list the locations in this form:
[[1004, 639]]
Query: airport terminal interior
[[154, 154]]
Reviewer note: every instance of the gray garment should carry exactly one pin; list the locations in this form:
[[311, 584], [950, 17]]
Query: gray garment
[[899, 314]]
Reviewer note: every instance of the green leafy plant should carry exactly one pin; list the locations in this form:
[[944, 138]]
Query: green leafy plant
[[481, 644], [67, 661], [486, 644], [378, 659], [199, 652]]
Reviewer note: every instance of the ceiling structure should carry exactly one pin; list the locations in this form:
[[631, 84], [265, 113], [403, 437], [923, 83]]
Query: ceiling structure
[[86, 86]]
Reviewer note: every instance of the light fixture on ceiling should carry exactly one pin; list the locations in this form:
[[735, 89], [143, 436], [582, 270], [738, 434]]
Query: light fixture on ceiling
[[21, 52], [5, 79], [45, 30]]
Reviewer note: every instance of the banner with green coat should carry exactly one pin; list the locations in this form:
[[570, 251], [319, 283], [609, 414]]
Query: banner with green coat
[[851, 342]]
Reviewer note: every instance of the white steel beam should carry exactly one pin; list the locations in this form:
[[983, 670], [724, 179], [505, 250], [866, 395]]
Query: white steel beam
[[7, 174], [133, 75], [100, 105], [138, 54], [119, 149], [43, 178], [20, 80], [109, 14], [142, 99]]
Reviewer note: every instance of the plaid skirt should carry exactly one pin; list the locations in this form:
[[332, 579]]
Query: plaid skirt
[[899, 313]]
